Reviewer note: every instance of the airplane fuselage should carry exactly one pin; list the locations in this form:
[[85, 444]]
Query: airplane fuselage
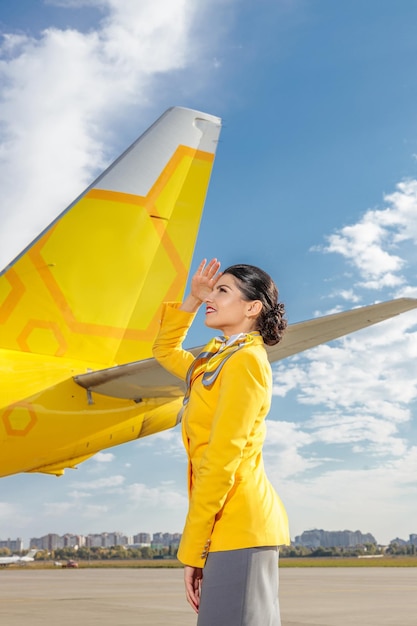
[[48, 422]]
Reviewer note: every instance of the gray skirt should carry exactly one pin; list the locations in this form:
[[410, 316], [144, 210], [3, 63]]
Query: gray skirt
[[240, 588]]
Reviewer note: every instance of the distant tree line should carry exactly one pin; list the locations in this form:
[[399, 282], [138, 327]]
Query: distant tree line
[[368, 549], [113, 552], [303, 551], [401, 550], [147, 553]]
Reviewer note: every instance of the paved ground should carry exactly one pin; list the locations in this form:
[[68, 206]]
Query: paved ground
[[349, 597], [129, 597]]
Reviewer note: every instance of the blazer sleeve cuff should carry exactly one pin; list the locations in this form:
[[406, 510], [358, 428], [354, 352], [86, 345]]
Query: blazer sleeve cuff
[[190, 557], [171, 313]]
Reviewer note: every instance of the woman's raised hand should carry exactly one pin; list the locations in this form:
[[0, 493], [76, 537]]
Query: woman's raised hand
[[202, 284], [204, 279]]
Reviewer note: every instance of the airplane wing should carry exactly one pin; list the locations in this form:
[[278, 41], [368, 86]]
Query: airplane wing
[[305, 335], [146, 379]]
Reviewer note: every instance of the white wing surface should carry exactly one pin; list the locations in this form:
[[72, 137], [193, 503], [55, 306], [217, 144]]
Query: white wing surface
[[147, 379]]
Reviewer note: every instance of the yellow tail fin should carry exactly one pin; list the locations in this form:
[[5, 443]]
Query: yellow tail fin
[[91, 285]]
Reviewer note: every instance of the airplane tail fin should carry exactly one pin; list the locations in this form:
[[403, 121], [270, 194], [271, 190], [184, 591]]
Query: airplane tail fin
[[90, 286], [31, 554]]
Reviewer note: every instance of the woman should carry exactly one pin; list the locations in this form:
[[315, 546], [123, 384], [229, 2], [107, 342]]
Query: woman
[[235, 520]]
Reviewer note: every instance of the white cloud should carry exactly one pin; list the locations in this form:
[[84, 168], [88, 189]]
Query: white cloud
[[407, 292], [361, 387], [63, 90], [359, 393], [381, 500], [78, 494], [361, 244], [284, 449], [104, 457], [365, 433], [373, 245], [57, 509], [346, 294], [402, 213], [166, 443], [162, 497], [7, 511], [73, 510], [109, 482], [94, 511]]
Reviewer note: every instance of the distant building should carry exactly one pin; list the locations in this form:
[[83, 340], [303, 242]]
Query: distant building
[[73, 541], [333, 539], [403, 542], [165, 540], [315, 538], [175, 541], [142, 540], [48, 542], [14, 545], [106, 540], [102, 540], [398, 541], [94, 541], [110, 540]]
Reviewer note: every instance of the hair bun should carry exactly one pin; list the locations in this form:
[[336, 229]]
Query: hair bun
[[255, 284], [272, 324]]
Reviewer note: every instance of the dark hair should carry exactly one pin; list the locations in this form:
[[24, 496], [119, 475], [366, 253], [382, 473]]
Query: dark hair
[[255, 284]]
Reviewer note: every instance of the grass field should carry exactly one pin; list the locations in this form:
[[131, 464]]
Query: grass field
[[399, 561]]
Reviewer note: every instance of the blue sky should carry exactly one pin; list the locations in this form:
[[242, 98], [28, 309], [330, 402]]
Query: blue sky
[[315, 180]]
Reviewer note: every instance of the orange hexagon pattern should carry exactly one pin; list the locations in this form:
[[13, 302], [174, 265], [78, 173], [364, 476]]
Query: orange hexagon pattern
[[42, 311]]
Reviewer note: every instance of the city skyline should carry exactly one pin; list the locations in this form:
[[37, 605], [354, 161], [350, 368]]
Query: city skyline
[[154, 537]]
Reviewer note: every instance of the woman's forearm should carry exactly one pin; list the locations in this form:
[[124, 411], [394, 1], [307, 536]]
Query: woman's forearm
[[191, 304]]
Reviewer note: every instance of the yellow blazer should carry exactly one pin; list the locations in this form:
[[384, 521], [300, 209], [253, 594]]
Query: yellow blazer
[[232, 504]]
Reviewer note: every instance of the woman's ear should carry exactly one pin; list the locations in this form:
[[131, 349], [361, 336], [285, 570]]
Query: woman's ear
[[254, 308]]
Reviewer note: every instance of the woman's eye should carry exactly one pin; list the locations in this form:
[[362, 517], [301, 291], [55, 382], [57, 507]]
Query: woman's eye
[[222, 289]]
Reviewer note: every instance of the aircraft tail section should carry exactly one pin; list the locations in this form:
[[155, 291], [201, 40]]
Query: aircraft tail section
[[91, 285], [30, 555]]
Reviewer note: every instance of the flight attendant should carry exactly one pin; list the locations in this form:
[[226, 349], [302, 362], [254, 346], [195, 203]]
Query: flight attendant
[[235, 521]]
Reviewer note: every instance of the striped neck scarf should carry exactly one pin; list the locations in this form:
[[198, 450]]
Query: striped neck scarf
[[211, 360]]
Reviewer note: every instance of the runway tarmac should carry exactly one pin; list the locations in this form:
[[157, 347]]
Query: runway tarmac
[[154, 597]]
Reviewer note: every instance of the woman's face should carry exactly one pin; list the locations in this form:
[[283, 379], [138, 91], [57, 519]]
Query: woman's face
[[226, 310]]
